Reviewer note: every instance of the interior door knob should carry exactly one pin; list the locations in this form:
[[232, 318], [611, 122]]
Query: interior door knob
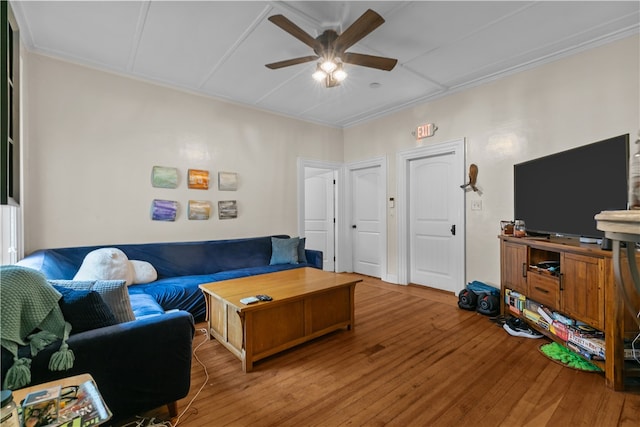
[[453, 230], [354, 226]]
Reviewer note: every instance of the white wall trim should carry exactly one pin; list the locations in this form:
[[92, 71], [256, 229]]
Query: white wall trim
[[348, 250], [339, 202], [404, 157]]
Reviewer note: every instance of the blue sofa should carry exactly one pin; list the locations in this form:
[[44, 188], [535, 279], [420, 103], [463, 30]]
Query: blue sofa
[[146, 363], [181, 267]]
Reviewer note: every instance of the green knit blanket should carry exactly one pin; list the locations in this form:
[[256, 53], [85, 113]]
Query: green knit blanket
[[30, 315]]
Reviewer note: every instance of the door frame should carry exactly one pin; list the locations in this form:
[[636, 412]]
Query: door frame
[[404, 157], [380, 162], [338, 200]]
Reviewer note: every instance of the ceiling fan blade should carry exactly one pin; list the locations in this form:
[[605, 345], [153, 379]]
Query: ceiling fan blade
[[367, 22], [294, 61], [293, 29], [370, 61]]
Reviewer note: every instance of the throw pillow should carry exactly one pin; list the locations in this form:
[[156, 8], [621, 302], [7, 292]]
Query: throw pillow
[[284, 251], [113, 292], [105, 264], [143, 272], [302, 256], [84, 309]]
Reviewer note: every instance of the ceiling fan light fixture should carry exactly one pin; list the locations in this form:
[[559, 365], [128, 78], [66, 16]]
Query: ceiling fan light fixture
[[331, 81], [330, 48], [328, 66], [339, 74], [319, 75]]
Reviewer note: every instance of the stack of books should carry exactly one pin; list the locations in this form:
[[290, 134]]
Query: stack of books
[[586, 341]]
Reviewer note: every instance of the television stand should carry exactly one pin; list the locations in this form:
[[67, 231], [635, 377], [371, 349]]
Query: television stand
[[584, 291]]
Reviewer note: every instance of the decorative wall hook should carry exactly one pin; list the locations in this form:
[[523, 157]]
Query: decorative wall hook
[[473, 176]]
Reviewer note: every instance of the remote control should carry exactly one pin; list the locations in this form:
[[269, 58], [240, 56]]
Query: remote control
[[249, 300], [264, 297]]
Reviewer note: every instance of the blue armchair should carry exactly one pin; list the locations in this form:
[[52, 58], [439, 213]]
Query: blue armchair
[[137, 365]]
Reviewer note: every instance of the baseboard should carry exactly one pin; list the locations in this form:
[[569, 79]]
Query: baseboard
[[391, 278]]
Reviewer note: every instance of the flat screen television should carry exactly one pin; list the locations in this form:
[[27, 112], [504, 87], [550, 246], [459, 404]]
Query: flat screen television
[[559, 194]]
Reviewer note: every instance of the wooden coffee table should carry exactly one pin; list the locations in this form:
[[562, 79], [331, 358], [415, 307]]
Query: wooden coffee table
[[307, 303]]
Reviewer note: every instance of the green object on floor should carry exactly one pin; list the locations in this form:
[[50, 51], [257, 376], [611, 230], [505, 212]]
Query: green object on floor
[[567, 357]]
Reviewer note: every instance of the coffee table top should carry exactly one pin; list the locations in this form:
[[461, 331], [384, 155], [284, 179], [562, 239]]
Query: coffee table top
[[280, 285]]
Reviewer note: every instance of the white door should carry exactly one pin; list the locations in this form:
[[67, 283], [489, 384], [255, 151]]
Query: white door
[[367, 191], [436, 204], [319, 221]]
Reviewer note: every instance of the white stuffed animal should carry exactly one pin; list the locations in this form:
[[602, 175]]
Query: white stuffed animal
[[143, 272], [106, 264]]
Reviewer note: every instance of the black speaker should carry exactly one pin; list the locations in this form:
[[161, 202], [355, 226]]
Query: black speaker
[[488, 305], [467, 299]]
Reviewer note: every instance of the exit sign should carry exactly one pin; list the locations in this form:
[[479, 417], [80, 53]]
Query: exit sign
[[425, 130]]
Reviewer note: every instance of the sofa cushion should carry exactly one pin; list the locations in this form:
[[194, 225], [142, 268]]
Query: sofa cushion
[[302, 256], [113, 292], [172, 293], [284, 251], [144, 305], [52, 263], [84, 309], [177, 259]]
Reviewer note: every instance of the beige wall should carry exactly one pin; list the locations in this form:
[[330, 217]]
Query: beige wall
[[571, 102], [93, 137]]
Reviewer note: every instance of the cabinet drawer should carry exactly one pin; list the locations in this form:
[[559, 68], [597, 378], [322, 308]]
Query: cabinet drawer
[[544, 289]]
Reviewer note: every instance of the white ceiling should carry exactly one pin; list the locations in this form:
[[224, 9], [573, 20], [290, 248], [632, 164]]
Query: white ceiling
[[219, 48]]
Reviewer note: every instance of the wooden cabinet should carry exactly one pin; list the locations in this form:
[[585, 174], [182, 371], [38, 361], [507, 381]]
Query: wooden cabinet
[[584, 289], [544, 289], [514, 266]]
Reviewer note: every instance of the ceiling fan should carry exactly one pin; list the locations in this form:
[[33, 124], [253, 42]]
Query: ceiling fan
[[330, 47]]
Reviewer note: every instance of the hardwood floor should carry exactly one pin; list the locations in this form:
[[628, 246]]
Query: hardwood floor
[[413, 359]]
